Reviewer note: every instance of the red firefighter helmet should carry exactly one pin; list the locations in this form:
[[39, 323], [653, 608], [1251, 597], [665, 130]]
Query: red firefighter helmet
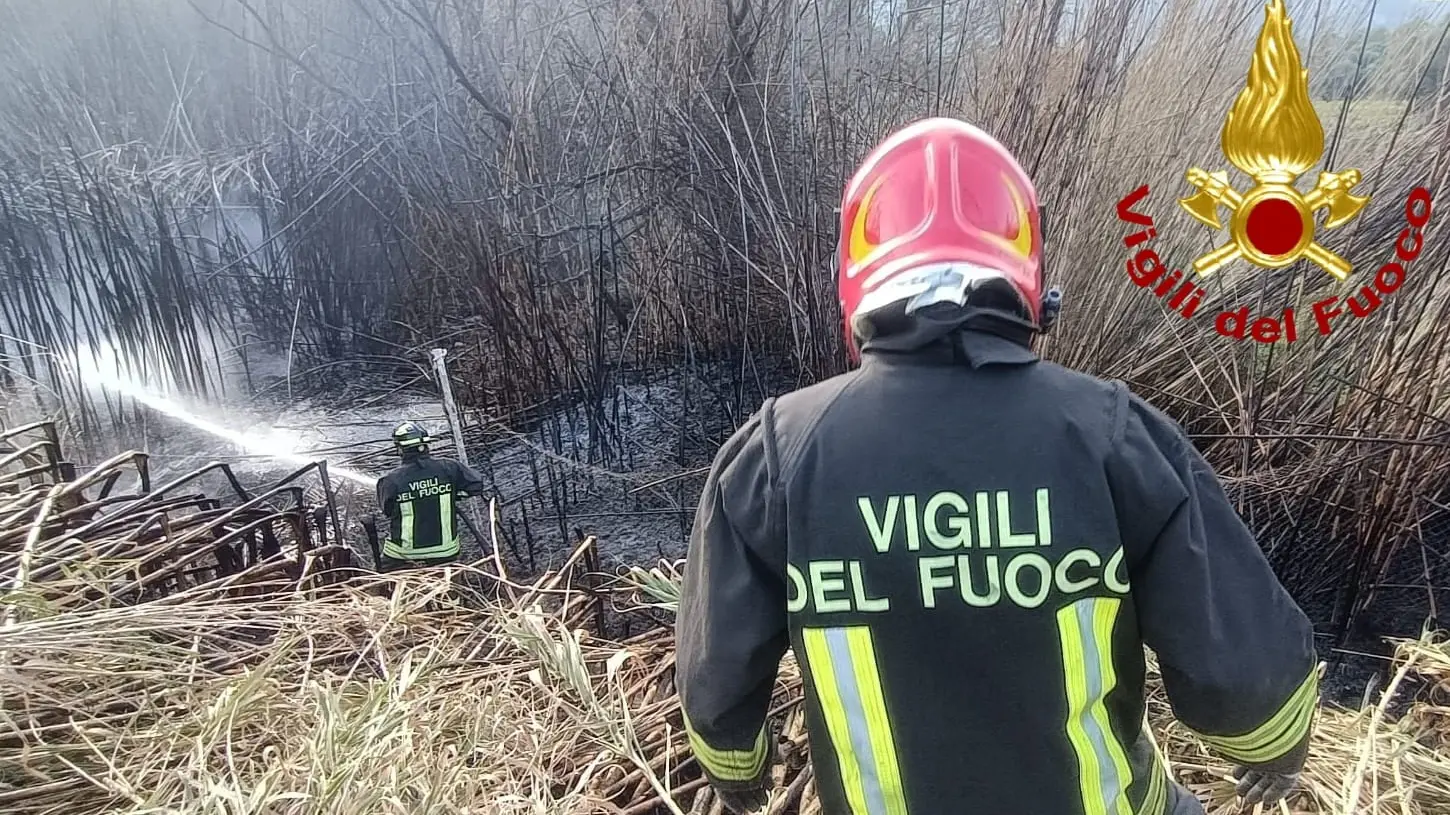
[[937, 209]]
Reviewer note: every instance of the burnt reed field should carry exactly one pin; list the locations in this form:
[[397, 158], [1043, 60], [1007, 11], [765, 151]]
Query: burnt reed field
[[620, 217]]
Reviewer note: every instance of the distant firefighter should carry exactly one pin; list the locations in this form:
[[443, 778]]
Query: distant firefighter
[[967, 547], [420, 501]]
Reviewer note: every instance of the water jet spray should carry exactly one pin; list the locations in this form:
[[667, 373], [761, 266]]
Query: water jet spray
[[91, 369]]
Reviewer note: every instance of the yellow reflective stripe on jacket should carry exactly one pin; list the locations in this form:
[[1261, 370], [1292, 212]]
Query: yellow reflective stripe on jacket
[[1085, 630], [843, 670], [408, 532], [398, 551], [728, 765], [1279, 734], [1156, 799]]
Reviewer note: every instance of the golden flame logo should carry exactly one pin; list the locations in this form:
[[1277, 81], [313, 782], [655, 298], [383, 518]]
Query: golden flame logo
[[1273, 135]]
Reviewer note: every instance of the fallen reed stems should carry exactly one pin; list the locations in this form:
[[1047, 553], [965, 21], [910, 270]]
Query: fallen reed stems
[[432, 692]]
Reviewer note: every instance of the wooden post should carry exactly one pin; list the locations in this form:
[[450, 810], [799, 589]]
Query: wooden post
[[455, 425], [450, 408]]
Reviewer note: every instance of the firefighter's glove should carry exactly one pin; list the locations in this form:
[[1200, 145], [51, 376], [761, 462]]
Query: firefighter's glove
[[1260, 785], [748, 801]]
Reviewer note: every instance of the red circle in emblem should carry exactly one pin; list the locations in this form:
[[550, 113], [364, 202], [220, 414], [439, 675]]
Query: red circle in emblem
[[1274, 226]]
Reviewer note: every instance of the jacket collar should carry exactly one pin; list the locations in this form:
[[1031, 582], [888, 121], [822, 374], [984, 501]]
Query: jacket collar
[[974, 337]]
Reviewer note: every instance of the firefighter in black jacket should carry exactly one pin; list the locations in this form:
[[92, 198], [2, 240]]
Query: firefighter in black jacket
[[420, 499], [967, 548]]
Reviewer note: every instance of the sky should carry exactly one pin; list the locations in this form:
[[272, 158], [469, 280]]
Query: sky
[[1393, 12], [1387, 12]]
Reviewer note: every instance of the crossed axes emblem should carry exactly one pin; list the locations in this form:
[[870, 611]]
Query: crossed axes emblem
[[1261, 224]]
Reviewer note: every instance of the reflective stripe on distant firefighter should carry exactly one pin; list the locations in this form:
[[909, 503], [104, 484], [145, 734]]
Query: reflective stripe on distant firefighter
[[1279, 734], [398, 551], [445, 515], [728, 765], [1085, 629], [408, 533], [843, 668], [406, 548]]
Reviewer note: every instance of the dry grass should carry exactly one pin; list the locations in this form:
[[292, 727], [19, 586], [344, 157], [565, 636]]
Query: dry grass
[[355, 701], [418, 694], [295, 686]]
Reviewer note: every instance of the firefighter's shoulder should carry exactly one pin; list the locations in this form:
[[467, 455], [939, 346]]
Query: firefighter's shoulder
[[751, 464], [790, 419], [1120, 404], [797, 411], [390, 480], [1102, 407], [1078, 384]]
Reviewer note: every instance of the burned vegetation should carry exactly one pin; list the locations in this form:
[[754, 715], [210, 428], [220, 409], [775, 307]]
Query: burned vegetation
[[620, 221]]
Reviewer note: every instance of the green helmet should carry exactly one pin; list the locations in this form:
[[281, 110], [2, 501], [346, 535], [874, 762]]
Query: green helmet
[[411, 438]]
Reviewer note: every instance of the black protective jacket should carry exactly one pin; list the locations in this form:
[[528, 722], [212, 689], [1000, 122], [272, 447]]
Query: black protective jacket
[[420, 499], [966, 550]]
